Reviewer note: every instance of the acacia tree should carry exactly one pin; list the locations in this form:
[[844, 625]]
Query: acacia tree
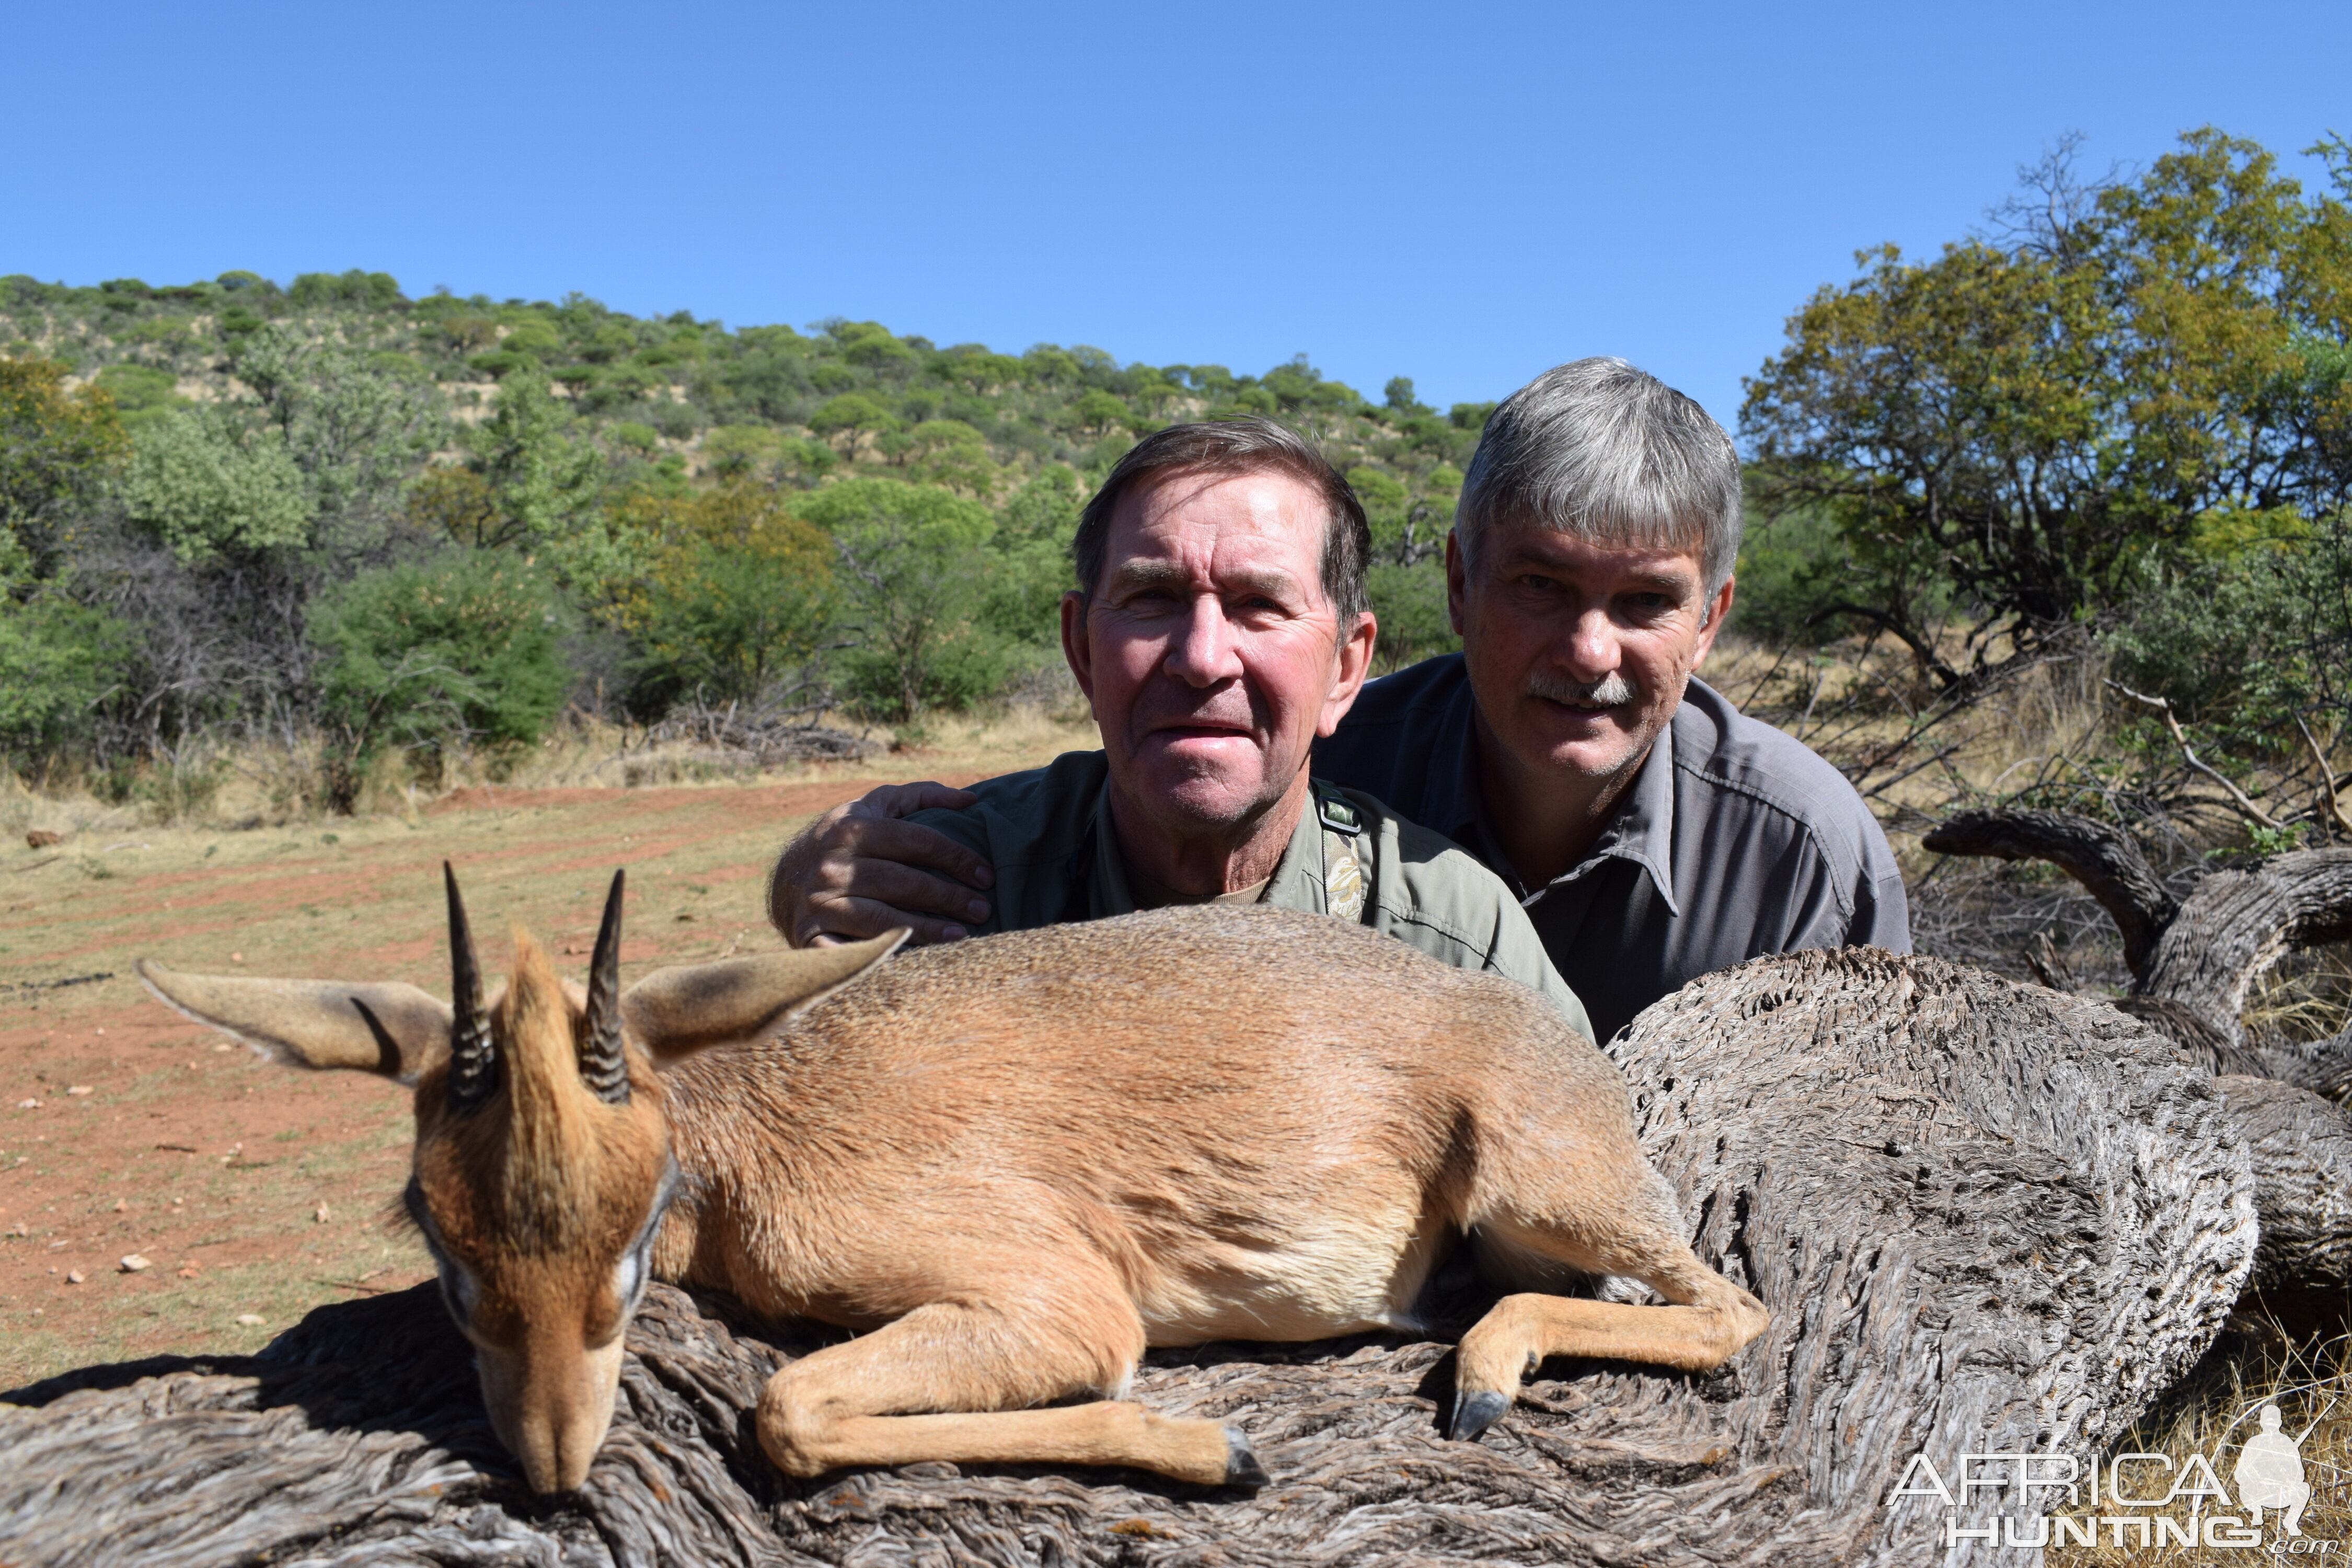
[[736, 604], [2017, 433]]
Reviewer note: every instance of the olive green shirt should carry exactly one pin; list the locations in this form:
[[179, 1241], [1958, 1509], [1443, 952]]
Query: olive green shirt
[[1048, 835]]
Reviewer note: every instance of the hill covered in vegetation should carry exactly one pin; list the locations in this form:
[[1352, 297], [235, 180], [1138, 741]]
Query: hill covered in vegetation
[[239, 508], [2107, 438]]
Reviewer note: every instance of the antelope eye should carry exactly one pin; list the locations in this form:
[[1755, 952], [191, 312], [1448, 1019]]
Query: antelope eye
[[629, 1279], [460, 1291], [635, 1270]]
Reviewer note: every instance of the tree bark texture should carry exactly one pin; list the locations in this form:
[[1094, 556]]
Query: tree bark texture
[[1983, 1216], [2198, 959], [2302, 1150], [2238, 923]]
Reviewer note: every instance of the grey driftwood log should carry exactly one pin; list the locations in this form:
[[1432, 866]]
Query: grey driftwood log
[[2193, 961], [1984, 1216]]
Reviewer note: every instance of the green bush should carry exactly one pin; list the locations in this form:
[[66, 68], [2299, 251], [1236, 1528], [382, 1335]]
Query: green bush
[[1410, 602], [207, 483], [1790, 568], [356, 288], [58, 663], [140, 392], [423, 658], [1029, 568], [914, 569], [738, 603], [2249, 637]]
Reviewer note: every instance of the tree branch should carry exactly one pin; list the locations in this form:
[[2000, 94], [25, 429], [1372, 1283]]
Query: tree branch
[[2338, 819], [1946, 676], [2238, 798], [2102, 857]]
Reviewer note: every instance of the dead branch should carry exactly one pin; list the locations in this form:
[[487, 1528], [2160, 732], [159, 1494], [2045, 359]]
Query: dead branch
[[2243, 803], [2102, 859], [2338, 819]]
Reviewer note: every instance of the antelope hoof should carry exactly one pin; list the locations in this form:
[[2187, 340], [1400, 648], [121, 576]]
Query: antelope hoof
[[1241, 1467], [1474, 1413]]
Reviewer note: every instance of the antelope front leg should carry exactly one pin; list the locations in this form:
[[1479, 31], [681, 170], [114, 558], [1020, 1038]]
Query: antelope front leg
[[1522, 1331], [977, 1368]]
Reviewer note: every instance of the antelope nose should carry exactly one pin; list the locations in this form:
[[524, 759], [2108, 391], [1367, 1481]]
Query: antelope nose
[[557, 1450]]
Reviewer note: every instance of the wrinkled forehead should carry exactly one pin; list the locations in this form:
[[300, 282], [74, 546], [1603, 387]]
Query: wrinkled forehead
[[1657, 558], [1225, 530]]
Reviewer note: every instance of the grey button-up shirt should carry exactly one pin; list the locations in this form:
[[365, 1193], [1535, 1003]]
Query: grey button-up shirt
[[1733, 842]]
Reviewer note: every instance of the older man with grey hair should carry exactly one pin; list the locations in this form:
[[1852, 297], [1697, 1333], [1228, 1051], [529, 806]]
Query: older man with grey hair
[[1652, 832]]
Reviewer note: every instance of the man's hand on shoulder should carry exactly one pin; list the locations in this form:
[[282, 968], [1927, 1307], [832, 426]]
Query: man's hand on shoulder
[[859, 870]]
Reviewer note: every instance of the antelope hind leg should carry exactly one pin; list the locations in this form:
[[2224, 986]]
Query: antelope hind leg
[[976, 1368]]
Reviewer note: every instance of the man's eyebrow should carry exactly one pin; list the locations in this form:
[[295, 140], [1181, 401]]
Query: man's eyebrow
[[1134, 575], [1147, 575], [1274, 584]]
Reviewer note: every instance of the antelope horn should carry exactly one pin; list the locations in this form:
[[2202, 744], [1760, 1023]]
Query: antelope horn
[[473, 1055], [603, 1066]]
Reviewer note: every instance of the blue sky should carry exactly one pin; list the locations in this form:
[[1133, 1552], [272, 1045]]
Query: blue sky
[[1460, 194]]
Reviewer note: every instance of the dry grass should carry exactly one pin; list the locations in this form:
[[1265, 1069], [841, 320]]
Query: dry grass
[[2211, 1413]]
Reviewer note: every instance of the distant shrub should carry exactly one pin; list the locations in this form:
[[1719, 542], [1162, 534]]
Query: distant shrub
[[531, 338], [423, 658], [501, 363], [354, 288], [58, 662], [140, 392], [209, 483]]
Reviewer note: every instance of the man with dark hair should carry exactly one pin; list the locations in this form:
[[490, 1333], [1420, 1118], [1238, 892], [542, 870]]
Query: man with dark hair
[[1218, 628]]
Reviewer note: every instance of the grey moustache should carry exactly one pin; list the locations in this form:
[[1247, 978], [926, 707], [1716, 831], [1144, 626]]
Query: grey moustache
[[1610, 691]]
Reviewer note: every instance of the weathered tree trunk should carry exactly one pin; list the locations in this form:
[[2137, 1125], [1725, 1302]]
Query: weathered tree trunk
[[2102, 857], [1983, 1216], [2194, 961]]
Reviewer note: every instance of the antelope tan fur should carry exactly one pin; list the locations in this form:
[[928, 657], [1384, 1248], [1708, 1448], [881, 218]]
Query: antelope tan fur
[[1011, 1163]]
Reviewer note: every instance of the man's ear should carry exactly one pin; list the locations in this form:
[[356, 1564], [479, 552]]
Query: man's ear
[[1718, 610], [1353, 663], [674, 1010], [393, 1029], [1075, 650]]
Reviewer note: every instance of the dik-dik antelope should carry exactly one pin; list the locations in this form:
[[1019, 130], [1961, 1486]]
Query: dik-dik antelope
[[1011, 1163]]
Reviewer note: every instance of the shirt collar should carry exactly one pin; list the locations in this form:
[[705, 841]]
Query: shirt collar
[[1641, 830], [1297, 881]]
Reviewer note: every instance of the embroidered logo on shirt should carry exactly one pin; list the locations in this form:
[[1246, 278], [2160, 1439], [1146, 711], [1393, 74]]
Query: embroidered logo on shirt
[[1343, 878]]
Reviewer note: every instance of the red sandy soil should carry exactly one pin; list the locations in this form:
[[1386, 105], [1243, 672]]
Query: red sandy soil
[[255, 1191]]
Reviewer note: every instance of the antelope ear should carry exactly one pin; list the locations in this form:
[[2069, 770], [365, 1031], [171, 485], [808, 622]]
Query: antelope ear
[[674, 1010], [393, 1029]]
